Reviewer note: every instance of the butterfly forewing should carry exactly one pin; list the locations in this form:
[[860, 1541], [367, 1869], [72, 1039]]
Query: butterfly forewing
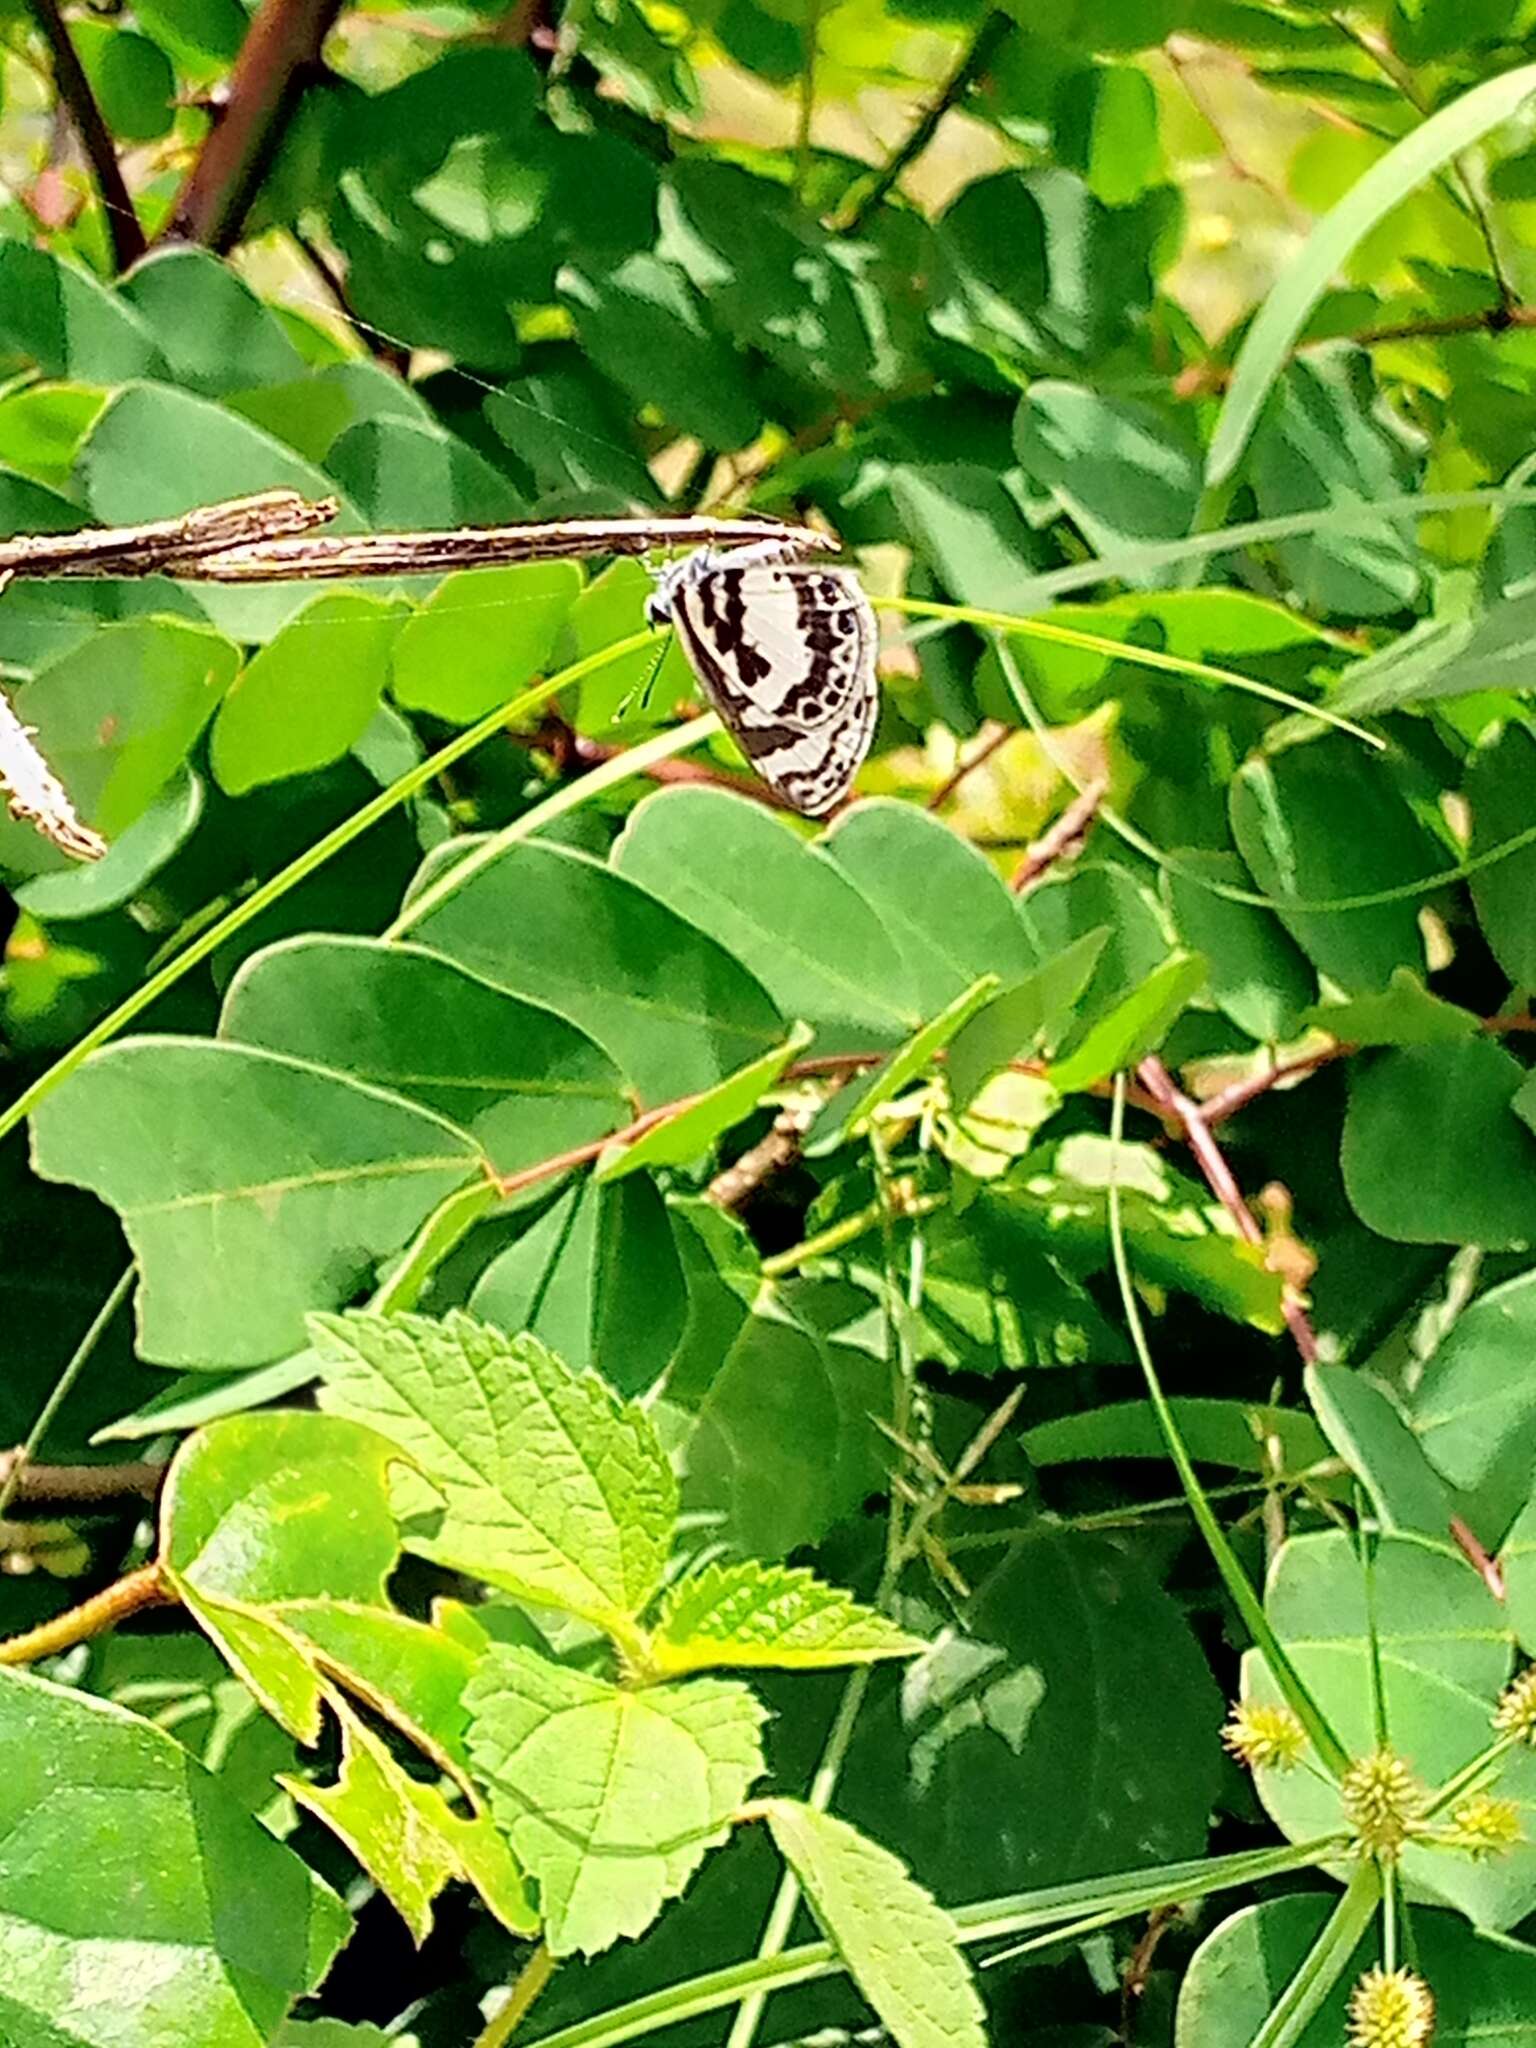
[[786, 654]]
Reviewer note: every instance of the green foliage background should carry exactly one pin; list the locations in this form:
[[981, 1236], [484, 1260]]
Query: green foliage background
[[411, 907]]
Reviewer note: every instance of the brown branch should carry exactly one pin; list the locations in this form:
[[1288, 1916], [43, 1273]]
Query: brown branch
[[990, 741], [1190, 1120], [1201, 380], [281, 46], [78, 1485], [592, 752], [93, 1617], [583, 1155], [1064, 838], [736, 1184], [74, 89], [1230, 1100]]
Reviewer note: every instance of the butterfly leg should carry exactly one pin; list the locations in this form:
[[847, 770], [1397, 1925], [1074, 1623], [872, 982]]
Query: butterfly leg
[[641, 691]]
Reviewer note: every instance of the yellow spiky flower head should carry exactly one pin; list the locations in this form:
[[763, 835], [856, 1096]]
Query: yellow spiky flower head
[[1383, 1802], [1516, 1712], [1483, 1826], [1390, 2009], [1265, 1737]]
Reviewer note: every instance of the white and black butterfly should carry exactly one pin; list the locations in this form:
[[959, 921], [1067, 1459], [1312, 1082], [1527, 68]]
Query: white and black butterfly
[[785, 651]]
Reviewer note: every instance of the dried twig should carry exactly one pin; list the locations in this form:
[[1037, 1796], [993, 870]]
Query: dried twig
[[78, 1485], [992, 736], [152, 548], [1064, 838], [735, 1185]]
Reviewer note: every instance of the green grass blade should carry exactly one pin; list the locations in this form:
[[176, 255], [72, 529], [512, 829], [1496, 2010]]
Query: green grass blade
[[1284, 313], [1330, 1750], [1324, 1963], [314, 857], [1123, 650]]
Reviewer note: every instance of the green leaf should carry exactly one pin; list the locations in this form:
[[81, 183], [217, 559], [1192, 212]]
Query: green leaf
[[940, 900], [1483, 1990], [273, 723], [1445, 1652], [1056, 1199], [681, 1139], [1378, 1445], [481, 637], [911, 1061], [609, 1797], [1403, 1013], [526, 1083], [215, 334], [117, 716], [545, 1483], [135, 855], [642, 324], [772, 1616], [1474, 1410], [672, 1007], [1033, 1012], [1267, 345], [131, 78], [1098, 899], [900, 1948], [1133, 1028], [409, 473], [252, 1188], [784, 1444], [1330, 820], [1215, 1432], [997, 1733], [734, 871], [1256, 973], [1500, 778], [597, 1279], [407, 1838], [1121, 469], [178, 1869], [1432, 1152], [67, 323]]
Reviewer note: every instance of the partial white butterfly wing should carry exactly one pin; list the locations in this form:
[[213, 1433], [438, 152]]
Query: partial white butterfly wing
[[786, 654]]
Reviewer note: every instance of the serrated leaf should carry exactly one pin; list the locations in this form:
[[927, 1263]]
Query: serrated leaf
[[752, 1614], [901, 1949], [546, 1484], [610, 1797]]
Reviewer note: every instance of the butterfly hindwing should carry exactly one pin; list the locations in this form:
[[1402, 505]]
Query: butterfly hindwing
[[786, 654]]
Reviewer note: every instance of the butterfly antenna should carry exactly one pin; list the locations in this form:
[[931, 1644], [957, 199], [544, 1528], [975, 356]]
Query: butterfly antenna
[[641, 691]]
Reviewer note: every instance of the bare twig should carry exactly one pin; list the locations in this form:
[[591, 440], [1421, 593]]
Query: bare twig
[[93, 1617], [1187, 1117], [1064, 838], [1201, 380], [736, 1184], [74, 89], [281, 48], [1230, 1100], [591, 752], [150, 549], [78, 1485], [992, 736], [859, 204]]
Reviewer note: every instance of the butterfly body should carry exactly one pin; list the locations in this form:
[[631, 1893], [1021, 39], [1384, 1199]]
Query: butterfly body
[[785, 652]]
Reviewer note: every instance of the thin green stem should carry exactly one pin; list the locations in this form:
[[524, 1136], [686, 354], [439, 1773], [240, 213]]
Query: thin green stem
[[633, 761], [527, 1986], [1125, 650], [844, 1231], [1330, 1749], [806, 109], [307, 863], [1469, 1774], [1324, 1963], [62, 1386]]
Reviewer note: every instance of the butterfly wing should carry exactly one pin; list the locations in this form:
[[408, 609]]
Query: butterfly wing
[[786, 655]]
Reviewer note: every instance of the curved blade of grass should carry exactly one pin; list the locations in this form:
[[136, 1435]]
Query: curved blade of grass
[[1123, 650], [618, 768], [1139, 1891], [1324, 1963], [1330, 1750], [314, 857], [1146, 557], [1283, 314], [1232, 892]]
